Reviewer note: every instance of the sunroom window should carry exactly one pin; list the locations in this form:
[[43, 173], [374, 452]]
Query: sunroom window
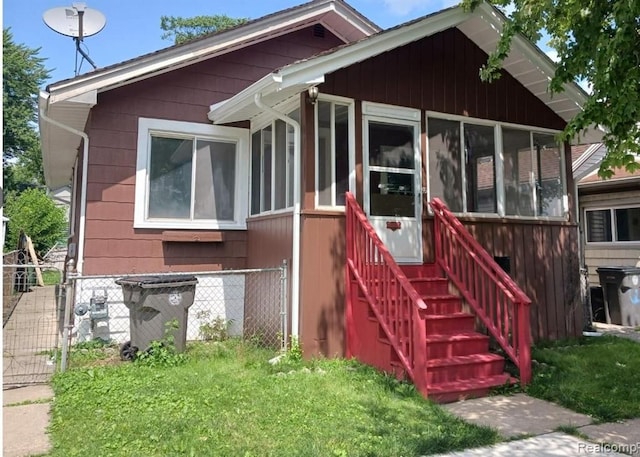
[[467, 171], [188, 175], [334, 132], [272, 149]]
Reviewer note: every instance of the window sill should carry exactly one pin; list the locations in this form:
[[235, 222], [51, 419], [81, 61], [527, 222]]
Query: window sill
[[177, 225]]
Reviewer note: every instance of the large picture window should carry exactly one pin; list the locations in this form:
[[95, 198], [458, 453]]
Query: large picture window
[[613, 225], [272, 149], [334, 143], [475, 167], [188, 175]]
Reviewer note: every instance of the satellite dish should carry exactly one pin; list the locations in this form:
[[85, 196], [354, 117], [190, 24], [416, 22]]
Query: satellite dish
[[76, 21]]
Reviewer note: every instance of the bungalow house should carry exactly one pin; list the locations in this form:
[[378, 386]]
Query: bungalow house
[[376, 162]]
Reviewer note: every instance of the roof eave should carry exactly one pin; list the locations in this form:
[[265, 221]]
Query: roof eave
[[60, 145]]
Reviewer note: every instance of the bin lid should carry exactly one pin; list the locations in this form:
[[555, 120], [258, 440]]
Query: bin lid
[[157, 281], [619, 270]]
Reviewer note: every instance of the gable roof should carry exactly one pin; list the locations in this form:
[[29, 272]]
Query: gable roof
[[526, 63], [216, 43], [65, 105]]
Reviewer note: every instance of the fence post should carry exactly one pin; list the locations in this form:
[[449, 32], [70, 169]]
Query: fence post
[[66, 324], [283, 304]]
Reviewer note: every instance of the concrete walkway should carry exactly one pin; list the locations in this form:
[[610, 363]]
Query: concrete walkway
[[25, 418], [535, 427], [30, 332]]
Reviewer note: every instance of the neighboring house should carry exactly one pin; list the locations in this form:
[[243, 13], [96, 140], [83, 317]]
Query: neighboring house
[[609, 211], [235, 150]]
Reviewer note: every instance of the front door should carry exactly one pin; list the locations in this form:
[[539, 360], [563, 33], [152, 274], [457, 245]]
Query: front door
[[392, 182]]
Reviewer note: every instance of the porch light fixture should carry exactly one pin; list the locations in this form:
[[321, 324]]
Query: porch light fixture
[[313, 94]]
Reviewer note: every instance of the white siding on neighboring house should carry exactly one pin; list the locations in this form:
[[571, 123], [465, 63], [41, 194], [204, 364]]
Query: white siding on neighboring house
[[608, 254]]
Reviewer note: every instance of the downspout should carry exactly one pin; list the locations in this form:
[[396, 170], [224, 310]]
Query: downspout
[[295, 264], [83, 191]]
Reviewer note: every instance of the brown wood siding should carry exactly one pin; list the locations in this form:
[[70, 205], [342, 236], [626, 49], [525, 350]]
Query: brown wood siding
[[111, 244], [440, 73], [269, 240], [544, 263], [322, 284]]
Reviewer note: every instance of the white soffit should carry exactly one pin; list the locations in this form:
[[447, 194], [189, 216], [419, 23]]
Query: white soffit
[[59, 146], [526, 63]]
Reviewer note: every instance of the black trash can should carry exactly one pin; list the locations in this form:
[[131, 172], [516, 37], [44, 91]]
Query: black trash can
[[154, 301], [621, 291]]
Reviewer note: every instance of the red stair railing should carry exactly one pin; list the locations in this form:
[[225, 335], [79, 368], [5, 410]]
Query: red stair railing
[[395, 303], [499, 303]]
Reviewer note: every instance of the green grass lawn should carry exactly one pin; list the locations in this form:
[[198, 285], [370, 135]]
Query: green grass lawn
[[597, 376], [226, 400]]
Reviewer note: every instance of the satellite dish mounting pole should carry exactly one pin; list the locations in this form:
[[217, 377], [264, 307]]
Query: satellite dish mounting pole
[[79, 7]]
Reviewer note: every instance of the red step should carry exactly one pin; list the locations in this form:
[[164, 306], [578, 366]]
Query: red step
[[427, 270], [430, 286], [438, 324], [469, 388], [443, 346], [443, 304], [464, 367]]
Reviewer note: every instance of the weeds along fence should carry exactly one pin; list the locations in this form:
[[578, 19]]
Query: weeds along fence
[[131, 311]]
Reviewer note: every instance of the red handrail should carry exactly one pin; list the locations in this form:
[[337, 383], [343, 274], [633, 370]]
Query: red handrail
[[396, 304], [499, 303]]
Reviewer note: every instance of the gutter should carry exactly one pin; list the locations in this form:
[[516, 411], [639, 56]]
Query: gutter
[[295, 264], [85, 168]]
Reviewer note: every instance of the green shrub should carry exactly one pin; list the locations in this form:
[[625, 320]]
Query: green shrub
[[35, 213]]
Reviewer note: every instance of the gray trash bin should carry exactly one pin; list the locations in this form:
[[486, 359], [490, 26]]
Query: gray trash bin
[[153, 301], [621, 291]]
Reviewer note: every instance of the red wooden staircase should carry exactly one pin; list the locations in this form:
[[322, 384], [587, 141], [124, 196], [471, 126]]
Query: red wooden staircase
[[416, 322]]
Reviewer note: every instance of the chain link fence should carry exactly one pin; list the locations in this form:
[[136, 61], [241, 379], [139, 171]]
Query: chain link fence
[[132, 311], [32, 299]]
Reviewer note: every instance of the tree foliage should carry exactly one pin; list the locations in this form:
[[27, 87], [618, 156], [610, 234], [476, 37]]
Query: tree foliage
[[23, 73], [596, 41], [38, 216], [180, 29]]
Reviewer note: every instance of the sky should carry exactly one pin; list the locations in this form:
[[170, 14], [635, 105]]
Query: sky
[[133, 27]]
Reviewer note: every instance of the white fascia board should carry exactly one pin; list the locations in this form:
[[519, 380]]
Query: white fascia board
[[366, 27], [172, 58], [308, 70], [608, 182], [530, 51]]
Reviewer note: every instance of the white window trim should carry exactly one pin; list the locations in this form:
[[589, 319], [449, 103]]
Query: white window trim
[[499, 159], [351, 116], [257, 125], [147, 126], [614, 233]]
